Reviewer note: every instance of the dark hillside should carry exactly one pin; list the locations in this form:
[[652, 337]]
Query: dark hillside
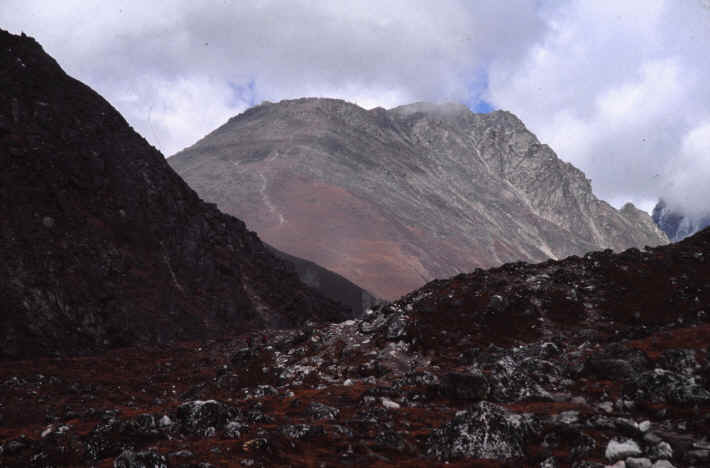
[[102, 244]]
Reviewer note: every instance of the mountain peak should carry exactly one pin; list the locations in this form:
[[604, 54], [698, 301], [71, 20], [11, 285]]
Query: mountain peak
[[391, 199]]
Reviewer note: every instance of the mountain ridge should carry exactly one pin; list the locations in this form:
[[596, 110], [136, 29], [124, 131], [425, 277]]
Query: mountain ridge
[[429, 189]]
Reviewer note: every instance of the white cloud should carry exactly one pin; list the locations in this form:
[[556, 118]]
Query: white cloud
[[614, 87], [164, 64], [687, 186]]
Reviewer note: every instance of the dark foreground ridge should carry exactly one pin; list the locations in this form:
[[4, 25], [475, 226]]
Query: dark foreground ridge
[[102, 244], [586, 362]]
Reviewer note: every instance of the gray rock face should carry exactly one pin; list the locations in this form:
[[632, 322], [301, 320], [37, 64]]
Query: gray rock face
[[393, 198]]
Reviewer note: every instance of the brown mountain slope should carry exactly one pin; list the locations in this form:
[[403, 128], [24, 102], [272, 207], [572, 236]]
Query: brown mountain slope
[[393, 198], [102, 244]]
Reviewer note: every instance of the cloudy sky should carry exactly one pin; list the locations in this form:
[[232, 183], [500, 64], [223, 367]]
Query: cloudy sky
[[621, 89]]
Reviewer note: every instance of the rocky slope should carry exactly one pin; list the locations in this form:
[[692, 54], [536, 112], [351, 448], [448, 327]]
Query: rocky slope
[[102, 244], [330, 284], [393, 198], [601, 360], [675, 224]]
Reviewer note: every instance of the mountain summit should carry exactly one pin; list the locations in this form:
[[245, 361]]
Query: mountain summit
[[393, 198]]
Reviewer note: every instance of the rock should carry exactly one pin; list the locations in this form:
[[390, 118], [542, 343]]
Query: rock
[[644, 426], [565, 436], [255, 445], [233, 430], [663, 386], [549, 350], [317, 410], [610, 369], [511, 382], [633, 462], [663, 464], [606, 406], [182, 454], [105, 439], [301, 431], [486, 431], [389, 404], [661, 450], [682, 361], [389, 439], [197, 417], [397, 328], [620, 449], [145, 459]]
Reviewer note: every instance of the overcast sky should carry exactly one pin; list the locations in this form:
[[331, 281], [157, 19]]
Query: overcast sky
[[621, 89]]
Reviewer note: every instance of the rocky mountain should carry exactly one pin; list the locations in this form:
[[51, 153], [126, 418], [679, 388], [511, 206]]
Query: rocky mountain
[[393, 198], [102, 244], [594, 361], [676, 225]]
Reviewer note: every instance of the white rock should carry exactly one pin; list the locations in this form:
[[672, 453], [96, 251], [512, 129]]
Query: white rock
[[348, 382], [47, 431], [616, 449], [606, 406], [165, 421], [619, 464], [644, 426], [387, 403], [663, 450]]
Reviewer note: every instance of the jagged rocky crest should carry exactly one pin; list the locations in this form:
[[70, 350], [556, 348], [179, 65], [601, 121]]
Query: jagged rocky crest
[[391, 199], [102, 244]]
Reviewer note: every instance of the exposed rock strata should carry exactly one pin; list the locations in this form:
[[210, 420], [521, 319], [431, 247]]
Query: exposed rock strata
[[393, 198]]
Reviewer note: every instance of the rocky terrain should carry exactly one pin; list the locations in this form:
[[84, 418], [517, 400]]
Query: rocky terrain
[[393, 198], [675, 224], [593, 361], [102, 244], [142, 328]]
